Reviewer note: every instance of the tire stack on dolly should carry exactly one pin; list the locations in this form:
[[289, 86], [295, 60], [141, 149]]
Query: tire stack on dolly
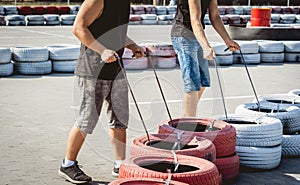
[[31, 60], [292, 51], [250, 53], [63, 57], [24, 10], [35, 20], [162, 55], [258, 140], [271, 51], [130, 62], [6, 67], [219, 132], [223, 58], [291, 130]]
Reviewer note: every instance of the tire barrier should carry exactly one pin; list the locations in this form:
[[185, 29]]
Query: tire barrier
[[294, 92], [271, 51], [164, 143], [292, 51], [144, 181], [33, 68], [190, 170], [291, 145], [288, 115], [67, 66], [219, 132]]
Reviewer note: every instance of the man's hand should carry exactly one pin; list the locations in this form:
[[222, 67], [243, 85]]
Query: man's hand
[[232, 45], [138, 51], [109, 56], [209, 53]]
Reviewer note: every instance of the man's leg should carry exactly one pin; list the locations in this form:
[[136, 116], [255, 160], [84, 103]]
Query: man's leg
[[75, 141], [200, 93], [190, 102], [118, 141]]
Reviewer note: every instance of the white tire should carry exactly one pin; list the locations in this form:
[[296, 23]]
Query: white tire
[[33, 68], [224, 60], [149, 17], [294, 92], [292, 57], [64, 66], [220, 49], [249, 58], [272, 57], [291, 100], [290, 145], [160, 49], [5, 55], [248, 47], [135, 63], [30, 54], [292, 46], [63, 51], [164, 62], [6, 69], [267, 46]]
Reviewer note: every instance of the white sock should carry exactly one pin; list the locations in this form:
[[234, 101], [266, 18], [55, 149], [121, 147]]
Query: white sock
[[117, 163], [67, 163]]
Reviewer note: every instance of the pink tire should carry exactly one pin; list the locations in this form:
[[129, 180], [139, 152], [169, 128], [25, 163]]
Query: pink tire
[[222, 134], [163, 143], [191, 170], [229, 167], [144, 181]]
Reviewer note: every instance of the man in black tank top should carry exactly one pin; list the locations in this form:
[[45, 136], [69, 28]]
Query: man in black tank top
[[193, 49], [101, 26]]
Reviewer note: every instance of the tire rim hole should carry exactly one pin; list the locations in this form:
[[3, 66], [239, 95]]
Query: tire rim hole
[[268, 110], [166, 145], [193, 127], [164, 166], [239, 122], [283, 101]]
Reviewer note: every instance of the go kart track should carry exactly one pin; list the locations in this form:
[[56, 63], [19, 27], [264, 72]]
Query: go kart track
[[37, 111]]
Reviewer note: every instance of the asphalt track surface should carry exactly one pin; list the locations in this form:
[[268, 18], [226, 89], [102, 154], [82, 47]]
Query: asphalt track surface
[[36, 112]]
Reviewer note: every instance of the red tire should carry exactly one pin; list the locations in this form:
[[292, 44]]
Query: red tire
[[229, 167], [191, 170], [222, 134], [51, 10], [63, 10], [163, 143], [24, 10], [38, 10], [144, 181]]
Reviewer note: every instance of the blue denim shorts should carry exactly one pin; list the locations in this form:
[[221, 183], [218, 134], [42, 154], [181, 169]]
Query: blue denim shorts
[[194, 67]]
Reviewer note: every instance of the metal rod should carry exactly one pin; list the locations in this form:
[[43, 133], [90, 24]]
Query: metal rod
[[258, 103], [220, 86], [133, 97], [160, 88]]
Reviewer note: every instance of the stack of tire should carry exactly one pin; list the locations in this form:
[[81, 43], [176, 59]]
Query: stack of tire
[[258, 140], [275, 18], [292, 51], [63, 57], [6, 67], [165, 19], [149, 19], [38, 10], [271, 51], [15, 20], [35, 20], [171, 10], [219, 132], [159, 157], [74, 9], [149, 9], [51, 10], [51, 19], [287, 18], [290, 139], [2, 11], [130, 62], [63, 10], [135, 19], [24, 10], [250, 53], [161, 10], [2, 21], [138, 10], [67, 19], [162, 55], [31, 60], [11, 10], [223, 58]]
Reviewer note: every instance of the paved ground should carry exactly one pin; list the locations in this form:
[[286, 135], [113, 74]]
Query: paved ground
[[36, 112]]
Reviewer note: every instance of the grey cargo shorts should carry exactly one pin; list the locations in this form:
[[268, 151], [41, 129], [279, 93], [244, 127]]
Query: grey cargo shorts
[[93, 93]]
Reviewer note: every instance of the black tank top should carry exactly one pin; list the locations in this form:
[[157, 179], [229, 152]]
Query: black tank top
[[182, 22], [110, 29]]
